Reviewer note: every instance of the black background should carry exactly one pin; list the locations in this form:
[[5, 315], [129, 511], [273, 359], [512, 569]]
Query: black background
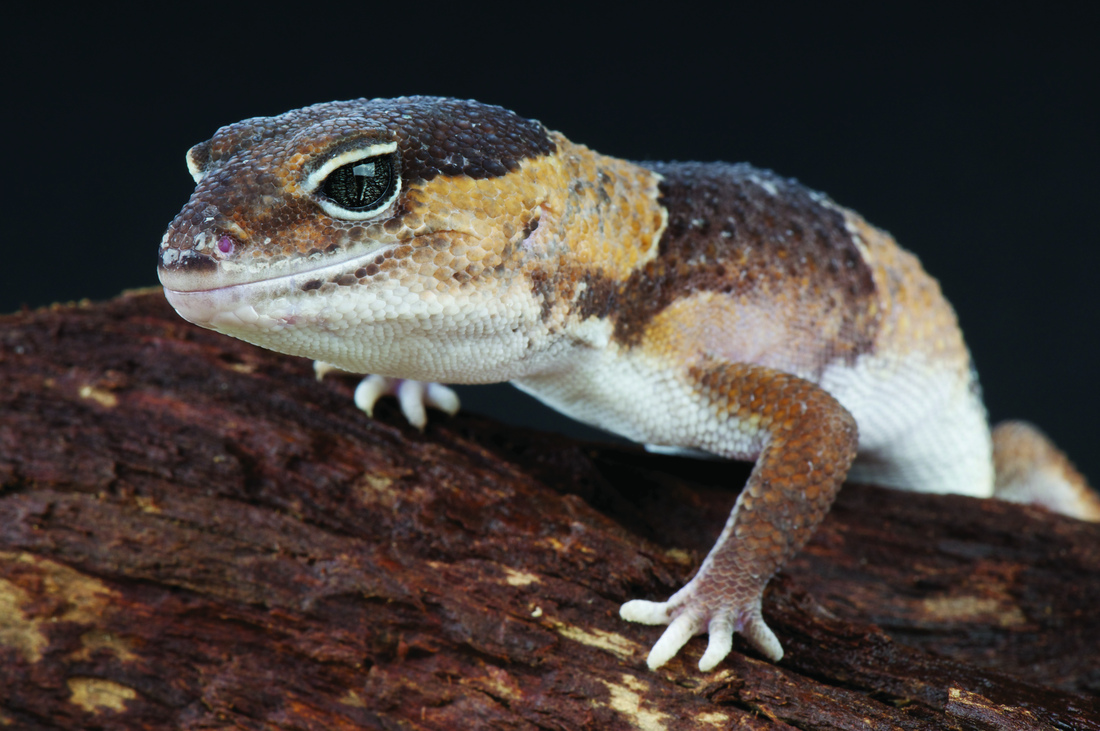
[[972, 137]]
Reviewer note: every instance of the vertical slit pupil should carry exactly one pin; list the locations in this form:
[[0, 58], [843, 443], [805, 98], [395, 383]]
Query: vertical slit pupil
[[362, 183]]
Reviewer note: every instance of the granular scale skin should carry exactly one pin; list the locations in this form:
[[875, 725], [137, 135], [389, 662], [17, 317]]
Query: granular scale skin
[[809, 443], [690, 307]]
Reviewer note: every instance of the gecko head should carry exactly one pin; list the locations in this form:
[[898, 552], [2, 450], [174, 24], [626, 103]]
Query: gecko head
[[356, 214]]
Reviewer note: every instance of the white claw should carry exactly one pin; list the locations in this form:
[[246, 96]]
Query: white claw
[[369, 390], [719, 644], [682, 629], [643, 612], [410, 394]]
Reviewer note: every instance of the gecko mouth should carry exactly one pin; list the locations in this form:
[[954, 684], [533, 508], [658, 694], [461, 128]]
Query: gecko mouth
[[206, 296], [188, 271]]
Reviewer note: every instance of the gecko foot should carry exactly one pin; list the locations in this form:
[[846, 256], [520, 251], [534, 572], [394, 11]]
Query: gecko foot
[[413, 396], [699, 608]]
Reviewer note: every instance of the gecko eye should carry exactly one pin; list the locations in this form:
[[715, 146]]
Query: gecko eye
[[357, 184], [360, 185]]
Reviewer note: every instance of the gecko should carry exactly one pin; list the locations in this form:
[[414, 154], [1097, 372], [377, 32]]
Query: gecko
[[692, 307]]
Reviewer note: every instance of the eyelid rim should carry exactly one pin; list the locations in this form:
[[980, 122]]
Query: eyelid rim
[[313, 182], [317, 178]]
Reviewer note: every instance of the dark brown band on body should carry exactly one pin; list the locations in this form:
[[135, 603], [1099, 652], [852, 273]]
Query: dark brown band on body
[[746, 233]]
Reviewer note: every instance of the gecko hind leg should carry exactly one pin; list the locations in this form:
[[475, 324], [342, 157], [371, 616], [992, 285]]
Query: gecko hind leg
[[1030, 469]]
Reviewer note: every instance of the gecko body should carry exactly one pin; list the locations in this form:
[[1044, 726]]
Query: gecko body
[[690, 307]]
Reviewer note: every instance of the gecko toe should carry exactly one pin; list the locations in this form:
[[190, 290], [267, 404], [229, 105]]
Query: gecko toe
[[645, 612], [369, 390], [410, 394], [443, 398], [682, 629], [719, 645], [760, 635], [322, 369]]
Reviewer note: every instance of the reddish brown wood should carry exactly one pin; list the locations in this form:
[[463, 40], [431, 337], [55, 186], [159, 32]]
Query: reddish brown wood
[[194, 533]]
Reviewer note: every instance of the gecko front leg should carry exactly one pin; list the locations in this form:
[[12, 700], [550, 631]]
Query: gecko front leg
[[413, 396], [805, 441]]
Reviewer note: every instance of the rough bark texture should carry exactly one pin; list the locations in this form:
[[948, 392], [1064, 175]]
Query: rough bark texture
[[194, 533]]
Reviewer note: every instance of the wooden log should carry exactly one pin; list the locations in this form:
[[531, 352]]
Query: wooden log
[[194, 533]]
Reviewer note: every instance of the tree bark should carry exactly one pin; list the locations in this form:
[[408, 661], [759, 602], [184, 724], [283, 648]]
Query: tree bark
[[195, 533]]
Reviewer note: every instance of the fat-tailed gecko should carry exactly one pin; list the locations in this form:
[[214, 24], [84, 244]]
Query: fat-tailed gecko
[[691, 307]]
